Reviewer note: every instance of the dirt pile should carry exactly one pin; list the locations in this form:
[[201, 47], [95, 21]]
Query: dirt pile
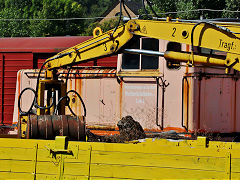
[[129, 130]]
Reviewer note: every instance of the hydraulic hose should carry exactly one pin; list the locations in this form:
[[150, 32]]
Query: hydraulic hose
[[60, 100], [83, 104], [19, 101]]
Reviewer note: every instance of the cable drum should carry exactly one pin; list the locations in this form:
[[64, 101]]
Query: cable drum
[[50, 126]]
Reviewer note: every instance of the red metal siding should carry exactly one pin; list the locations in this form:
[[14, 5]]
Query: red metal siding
[[108, 62], [10, 63], [40, 44], [90, 63], [40, 58]]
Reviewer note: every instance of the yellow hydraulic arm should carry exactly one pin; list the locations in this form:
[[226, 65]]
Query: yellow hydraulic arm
[[217, 36]]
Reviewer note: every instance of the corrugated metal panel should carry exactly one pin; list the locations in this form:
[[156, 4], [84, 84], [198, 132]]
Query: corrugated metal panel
[[90, 63], [108, 61], [40, 44], [10, 64], [218, 105], [40, 58]]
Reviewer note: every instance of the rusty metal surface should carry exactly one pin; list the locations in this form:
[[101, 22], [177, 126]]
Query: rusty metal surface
[[49, 126], [209, 103], [8, 136], [28, 53]]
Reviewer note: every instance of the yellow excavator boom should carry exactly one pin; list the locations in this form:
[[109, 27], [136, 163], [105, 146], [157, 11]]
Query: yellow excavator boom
[[218, 36]]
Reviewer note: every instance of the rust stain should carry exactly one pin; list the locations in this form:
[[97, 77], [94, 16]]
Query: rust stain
[[94, 73], [102, 133], [199, 104], [188, 50], [69, 87], [120, 99], [186, 101], [187, 68], [77, 105], [177, 129], [235, 108], [105, 71], [102, 128], [19, 86], [112, 131], [187, 47], [80, 92], [70, 79]]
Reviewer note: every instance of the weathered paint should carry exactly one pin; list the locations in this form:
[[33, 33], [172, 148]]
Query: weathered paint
[[219, 95], [108, 99], [30, 53], [152, 159]]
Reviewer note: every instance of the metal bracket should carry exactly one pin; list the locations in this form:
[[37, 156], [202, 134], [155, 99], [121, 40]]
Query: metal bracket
[[60, 150], [230, 64], [60, 147]]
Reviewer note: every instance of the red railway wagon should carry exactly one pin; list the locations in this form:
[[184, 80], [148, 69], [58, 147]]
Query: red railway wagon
[[30, 53]]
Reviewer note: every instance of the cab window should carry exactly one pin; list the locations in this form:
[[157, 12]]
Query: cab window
[[141, 62]]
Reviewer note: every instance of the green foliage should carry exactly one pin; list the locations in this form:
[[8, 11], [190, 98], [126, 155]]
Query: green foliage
[[13, 28], [189, 6], [61, 9], [209, 4], [48, 9], [105, 26], [165, 5], [54, 9], [161, 6], [232, 5]]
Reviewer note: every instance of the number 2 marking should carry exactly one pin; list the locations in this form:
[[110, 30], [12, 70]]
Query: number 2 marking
[[174, 30]]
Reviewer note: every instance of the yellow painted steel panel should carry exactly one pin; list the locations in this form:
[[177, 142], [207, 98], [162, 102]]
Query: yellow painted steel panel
[[14, 166], [153, 159], [80, 156], [159, 160], [12, 175], [51, 168], [235, 165], [160, 147], [75, 177], [235, 175], [148, 172], [98, 178], [43, 155], [76, 169], [22, 153], [46, 176]]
